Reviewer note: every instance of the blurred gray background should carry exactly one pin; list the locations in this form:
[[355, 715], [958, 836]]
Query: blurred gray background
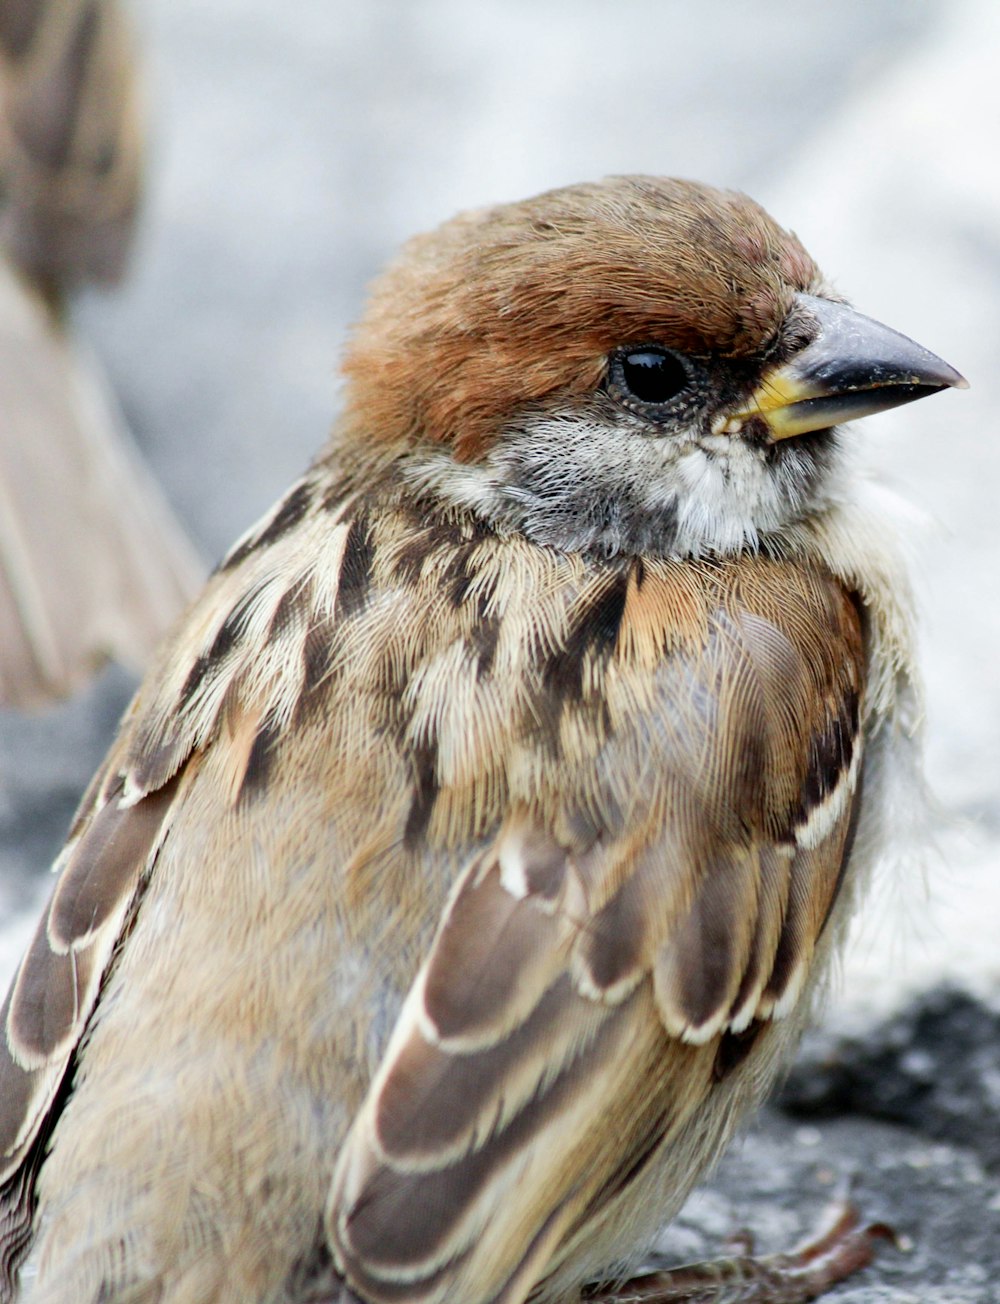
[[293, 147]]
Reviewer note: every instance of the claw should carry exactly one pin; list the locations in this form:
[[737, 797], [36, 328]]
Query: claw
[[840, 1249]]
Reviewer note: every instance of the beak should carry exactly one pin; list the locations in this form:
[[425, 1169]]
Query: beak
[[852, 368]]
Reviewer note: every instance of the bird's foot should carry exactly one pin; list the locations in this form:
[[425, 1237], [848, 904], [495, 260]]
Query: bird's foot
[[802, 1274]]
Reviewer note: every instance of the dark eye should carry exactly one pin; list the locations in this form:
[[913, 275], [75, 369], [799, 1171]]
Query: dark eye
[[648, 375]]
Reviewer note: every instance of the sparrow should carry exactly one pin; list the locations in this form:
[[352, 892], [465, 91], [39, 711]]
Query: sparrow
[[93, 563], [468, 863]]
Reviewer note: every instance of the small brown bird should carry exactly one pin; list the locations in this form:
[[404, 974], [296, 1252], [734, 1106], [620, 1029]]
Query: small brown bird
[[466, 865], [92, 562]]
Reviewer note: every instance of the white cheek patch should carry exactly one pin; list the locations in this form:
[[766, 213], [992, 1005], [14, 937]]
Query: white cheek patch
[[583, 479]]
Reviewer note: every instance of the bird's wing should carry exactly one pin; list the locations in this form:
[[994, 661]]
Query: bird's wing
[[57, 985], [200, 677], [111, 852], [253, 648], [587, 991]]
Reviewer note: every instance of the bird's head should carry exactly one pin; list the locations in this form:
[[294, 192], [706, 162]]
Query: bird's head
[[642, 365]]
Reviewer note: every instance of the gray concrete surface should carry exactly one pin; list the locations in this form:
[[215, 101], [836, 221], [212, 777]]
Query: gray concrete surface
[[295, 146]]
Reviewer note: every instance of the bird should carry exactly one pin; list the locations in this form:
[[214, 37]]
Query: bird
[[469, 861], [93, 562]]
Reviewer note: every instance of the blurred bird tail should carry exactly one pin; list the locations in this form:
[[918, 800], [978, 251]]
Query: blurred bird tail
[[93, 565]]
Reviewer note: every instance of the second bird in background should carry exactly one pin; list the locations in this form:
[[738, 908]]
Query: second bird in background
[[93, 565]]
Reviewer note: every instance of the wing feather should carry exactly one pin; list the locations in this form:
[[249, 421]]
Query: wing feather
[[629, 972], [222, 675], [57, 982], [450, 1136]]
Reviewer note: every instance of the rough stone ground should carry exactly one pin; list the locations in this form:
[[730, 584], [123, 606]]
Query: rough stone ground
[[908, 1113], [295, 146]]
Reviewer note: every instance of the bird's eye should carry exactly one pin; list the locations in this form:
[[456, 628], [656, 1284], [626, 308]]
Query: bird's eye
[[648, 375]]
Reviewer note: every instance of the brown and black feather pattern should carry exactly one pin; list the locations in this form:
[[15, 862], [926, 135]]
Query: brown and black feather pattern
[[591, 816]]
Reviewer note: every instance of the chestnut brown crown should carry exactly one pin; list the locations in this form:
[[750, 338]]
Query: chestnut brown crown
[[505, 306]]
